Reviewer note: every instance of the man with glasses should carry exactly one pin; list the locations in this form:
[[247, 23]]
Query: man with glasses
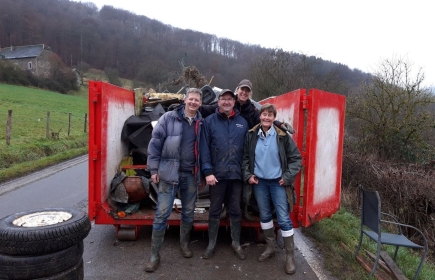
[[221, 150]]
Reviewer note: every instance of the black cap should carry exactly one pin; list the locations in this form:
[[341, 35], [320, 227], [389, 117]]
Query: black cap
[[224, 91]]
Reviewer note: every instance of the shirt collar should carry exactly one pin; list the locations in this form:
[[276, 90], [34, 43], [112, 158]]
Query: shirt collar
[[270, 132]]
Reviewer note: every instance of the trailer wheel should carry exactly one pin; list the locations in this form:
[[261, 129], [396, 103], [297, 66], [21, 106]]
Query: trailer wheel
[[42, 231], [127, 232], [31, 267]]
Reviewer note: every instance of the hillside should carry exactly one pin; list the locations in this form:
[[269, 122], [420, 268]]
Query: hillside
[[147, 51]]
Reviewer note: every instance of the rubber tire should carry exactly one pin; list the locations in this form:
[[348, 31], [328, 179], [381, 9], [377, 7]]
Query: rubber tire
[[25, 241], [75, 273], [31, 267]]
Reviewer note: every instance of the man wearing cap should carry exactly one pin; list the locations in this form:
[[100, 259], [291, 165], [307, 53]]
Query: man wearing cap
[[221, 149], [251, 113]]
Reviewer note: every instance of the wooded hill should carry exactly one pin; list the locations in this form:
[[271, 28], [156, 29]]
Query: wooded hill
[[146, 50]]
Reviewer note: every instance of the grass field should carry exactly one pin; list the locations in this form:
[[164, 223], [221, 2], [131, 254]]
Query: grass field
[[29, 146]]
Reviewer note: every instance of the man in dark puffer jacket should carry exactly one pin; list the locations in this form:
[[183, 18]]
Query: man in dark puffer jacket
[[173, 161]]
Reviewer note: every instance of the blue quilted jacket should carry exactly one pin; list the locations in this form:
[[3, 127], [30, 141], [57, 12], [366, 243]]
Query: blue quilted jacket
[[164, 147]]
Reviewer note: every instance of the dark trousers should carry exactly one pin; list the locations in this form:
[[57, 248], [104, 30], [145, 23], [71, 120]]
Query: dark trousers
[[230, 192]]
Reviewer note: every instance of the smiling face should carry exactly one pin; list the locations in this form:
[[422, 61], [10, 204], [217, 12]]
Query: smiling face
[[243, 94], [266, 119], [192, 101], [226, 103]]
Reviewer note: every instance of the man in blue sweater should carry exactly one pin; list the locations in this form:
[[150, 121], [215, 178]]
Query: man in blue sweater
[[221, 151]]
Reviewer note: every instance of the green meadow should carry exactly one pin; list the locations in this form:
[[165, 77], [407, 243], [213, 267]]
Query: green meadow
[[29, 148]]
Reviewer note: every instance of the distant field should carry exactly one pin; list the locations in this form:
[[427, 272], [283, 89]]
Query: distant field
[[28, 142]]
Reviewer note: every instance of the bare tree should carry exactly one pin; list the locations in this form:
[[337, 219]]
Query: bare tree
[[392, 112]]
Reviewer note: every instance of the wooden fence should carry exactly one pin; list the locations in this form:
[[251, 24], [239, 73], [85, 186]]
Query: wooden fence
[[49, 133]]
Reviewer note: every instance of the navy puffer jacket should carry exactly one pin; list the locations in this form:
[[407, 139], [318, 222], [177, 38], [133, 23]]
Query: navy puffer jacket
[[164, 147]]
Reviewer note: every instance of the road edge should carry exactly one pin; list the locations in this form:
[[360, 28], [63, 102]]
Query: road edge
[[38, 175]]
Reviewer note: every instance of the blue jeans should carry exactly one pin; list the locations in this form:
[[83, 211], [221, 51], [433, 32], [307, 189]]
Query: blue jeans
[[166, 196], [264, 191], [229, 191]]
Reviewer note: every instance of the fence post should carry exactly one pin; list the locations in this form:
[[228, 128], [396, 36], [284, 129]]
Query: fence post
[[47, 129], [86, 121], [69, 123], [9, 128]]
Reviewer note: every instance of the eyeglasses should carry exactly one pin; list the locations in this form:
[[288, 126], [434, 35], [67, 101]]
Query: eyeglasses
[[226, 100]]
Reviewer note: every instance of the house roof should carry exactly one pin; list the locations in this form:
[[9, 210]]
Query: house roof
[[22, 51]]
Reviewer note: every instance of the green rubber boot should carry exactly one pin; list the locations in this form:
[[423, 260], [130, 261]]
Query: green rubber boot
[[156, 244]]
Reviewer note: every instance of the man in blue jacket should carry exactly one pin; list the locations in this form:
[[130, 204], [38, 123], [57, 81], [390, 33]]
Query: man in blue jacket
[[221, 150], [173, 161]]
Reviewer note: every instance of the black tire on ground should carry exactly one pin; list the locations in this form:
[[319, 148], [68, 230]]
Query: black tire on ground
[[42, 231], [74, 273], [31, 267]]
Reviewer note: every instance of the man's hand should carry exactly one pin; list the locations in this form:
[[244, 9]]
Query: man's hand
[[211, 180], [253, 180], [155, 178]]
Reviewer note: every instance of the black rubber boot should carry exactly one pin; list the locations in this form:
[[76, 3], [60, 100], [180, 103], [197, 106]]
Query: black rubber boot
[[290, 267], [213, 228], [235, 235], [269, 235], [156, 245], [185, 229]]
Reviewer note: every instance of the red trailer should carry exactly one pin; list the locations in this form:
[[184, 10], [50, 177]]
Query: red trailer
[[317, 117]]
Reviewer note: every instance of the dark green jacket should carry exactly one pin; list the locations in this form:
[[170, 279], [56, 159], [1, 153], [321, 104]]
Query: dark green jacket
[[290, 157]]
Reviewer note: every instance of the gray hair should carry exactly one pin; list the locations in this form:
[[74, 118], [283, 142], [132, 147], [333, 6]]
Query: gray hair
[[193, 90]]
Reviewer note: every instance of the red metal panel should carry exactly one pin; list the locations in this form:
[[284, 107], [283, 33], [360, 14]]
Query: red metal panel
[[324, 142], [289, 110], [109, 107]]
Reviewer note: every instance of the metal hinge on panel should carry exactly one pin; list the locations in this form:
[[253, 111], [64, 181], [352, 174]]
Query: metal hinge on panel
[[95, 93], [95, 152], [306, 102], [300, 213], [304, 157], [94, 211]]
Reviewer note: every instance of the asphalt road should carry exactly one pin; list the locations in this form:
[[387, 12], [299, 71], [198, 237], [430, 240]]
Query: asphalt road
[[105, 257]]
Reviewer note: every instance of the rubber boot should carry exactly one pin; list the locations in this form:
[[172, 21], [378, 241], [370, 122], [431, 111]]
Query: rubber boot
[[213, 228], [289, 244], [269, 235], [246, 213], [185, 229], [235, 235], [156, 245]]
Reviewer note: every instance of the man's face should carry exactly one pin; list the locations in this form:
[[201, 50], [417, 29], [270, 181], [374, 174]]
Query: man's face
[[226, 103], [243, 94], [192, 101], [266, 119]]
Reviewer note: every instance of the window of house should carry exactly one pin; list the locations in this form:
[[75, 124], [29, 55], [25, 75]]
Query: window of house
[[29, 65]]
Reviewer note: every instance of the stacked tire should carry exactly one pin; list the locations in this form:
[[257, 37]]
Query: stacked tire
[[43, 244]]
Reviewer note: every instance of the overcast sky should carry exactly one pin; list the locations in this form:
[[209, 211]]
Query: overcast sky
[[359, 34]]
